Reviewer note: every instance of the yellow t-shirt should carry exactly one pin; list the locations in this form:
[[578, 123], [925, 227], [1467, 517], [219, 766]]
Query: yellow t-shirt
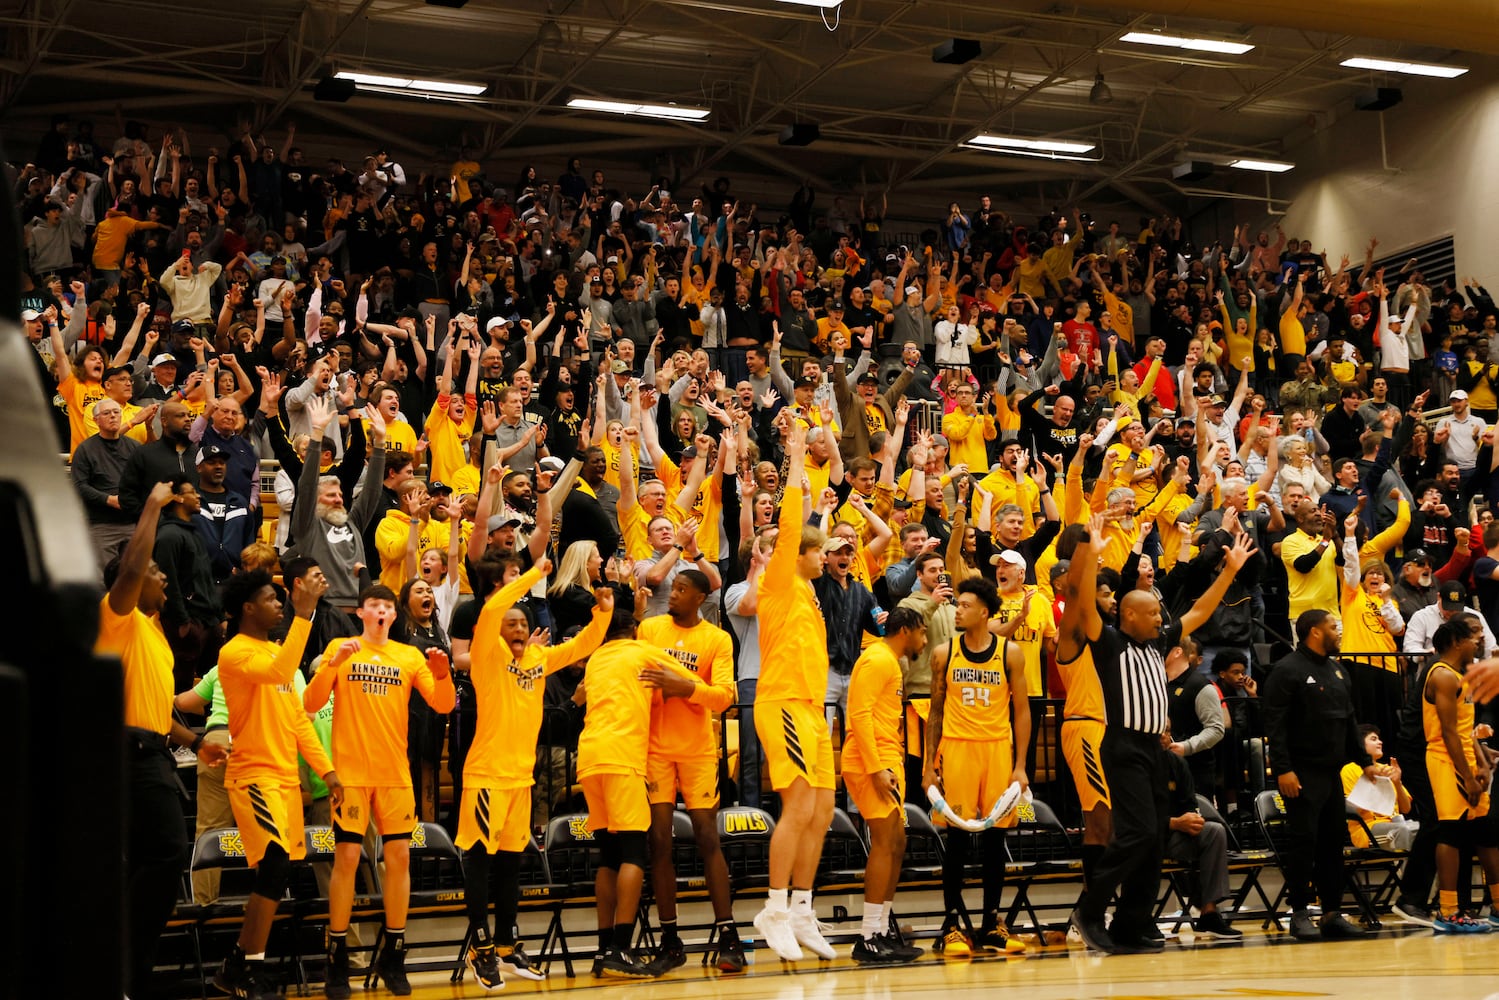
[[147, 661], [267, 723], [793, 633], [1039, 625], [874, 710], [447, 442], [80, 397], [617, 730], [682, 728]]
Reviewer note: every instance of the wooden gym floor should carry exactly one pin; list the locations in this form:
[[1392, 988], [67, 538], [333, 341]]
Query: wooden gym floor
[[1400, 963]]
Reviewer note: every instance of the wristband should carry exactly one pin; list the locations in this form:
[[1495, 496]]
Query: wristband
[[680, 548], [196, 743]]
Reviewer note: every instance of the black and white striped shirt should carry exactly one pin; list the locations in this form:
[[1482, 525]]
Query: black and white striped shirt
[[1133, 678]]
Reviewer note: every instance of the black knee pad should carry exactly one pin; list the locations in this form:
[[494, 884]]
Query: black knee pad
[[608, 849], [273, 874], [632, 848]]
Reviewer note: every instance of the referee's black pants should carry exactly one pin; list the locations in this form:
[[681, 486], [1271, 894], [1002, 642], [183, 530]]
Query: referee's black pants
[[1421, 859], [1131, 863], [1316, 824], [156, 850]]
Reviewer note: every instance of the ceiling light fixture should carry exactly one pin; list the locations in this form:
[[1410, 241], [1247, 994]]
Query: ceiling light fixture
[[669, 112], [1266, 166], [1408, 68], [1183, 42], [424, 87], [1100, 94], [1012, 143], [825, 4]]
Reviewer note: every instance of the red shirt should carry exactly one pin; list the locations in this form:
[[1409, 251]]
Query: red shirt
[[1082, 339]]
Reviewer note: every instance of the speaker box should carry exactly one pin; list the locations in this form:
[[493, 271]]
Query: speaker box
[[800, 134], [331, 88], [1190, 171], [1378, 99], [956, 51]]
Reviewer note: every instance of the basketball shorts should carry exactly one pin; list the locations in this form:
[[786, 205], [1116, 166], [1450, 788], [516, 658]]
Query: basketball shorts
[[617, 801], [1447, 790], [794, 736], [872, 794], [975, 773], [1082, 748], [695, 777], [392, 810], [498, 818], [267, 813]]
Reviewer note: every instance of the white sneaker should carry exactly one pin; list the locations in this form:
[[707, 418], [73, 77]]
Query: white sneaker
[[808, 933], [775, 928]]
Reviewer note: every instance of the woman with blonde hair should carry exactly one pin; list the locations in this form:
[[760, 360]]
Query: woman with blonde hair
[[1298, 468], [570, 594]]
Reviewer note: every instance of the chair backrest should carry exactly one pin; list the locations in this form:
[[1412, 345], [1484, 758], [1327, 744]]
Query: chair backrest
[[534, 870], [1210, 812], [685, 857], [924, 848], [218, 850], [1038, 835], [844, 847], [744, 833], [320, 843], [1270, 813], [572, 853]]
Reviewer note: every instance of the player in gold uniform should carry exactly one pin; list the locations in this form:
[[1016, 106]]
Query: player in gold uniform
[[371, 679], [874, 772], [509, 674], [683, 758], [612, 770], [789, 719], [268, 728], [1459, 769], [977, 736]]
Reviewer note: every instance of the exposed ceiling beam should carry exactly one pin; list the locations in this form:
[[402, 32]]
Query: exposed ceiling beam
[[39, 45], [312, 65]]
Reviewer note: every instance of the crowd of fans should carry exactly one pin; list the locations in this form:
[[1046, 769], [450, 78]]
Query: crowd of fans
[[461, 377]]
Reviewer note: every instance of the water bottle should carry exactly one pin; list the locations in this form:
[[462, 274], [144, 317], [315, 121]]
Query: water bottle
[[879, 626]]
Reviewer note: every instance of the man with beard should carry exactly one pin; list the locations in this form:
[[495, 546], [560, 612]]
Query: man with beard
[[160, 460], [318, 387], [322, 528]]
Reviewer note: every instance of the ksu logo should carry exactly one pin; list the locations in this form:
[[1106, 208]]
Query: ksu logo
[[1026, 812], [419, 836], [737, 821], [578, 827], [323, 840], [230, 844], [526, 679]]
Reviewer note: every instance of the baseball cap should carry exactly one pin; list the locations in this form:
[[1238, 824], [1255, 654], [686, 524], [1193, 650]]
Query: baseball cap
[[912, 290], [1454, 596], [835, 305], [1008, 555], [210, 452], [835, 543], [1217, 400], [869, 378], [494, 322], [1418, 556], [551, 462], [27, 315], [182, 326], [163, 359], [1457, 394], [498, 521], [688, 453], [438, 486], [619, 368], [808, 382]]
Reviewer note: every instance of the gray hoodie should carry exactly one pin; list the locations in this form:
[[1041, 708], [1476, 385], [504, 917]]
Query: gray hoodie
[[337, 549]]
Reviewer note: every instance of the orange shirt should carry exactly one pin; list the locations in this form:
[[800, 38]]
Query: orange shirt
[[683, 727], [616, 731], [447, 442], [138, 641], [370, 713], [509, 692], [874, 713], [707, 505], [793, 634], [80, 397], [267, 723]]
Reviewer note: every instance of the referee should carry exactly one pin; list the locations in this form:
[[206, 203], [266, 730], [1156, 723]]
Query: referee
[[1131, 671]]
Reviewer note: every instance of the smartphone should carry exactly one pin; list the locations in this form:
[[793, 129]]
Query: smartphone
[[944, 580]]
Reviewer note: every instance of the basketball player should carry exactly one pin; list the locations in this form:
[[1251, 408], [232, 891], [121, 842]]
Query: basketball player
[[1131, 670], [977, 736], [371, 679], [1459, 770], [612, 754], [509, 674], [874, 773], [268, 728], [683, 757], [130, 628], [790, 722]]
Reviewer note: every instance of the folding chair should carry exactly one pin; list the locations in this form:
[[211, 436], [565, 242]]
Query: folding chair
[[1364, 864], [1248, 863], [1040, 850], [572, 858], [1270, 812], [223, 850], [536, 893], [691, 878], [744, 835]]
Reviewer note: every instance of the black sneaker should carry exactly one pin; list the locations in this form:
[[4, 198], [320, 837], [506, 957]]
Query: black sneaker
[[245, 980], [485, 966], [670, 956], [515, 962], [616, 964], [874, 951], [336, 986], [1212, 925], [1094, 934], [906, 952], [231, 974], [1145, 939], [731, 952], [1336, 927], [1304, 928], [391, 970], [1413, 913]]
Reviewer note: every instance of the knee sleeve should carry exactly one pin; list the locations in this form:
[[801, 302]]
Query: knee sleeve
[[632, 848], [608, 849], [273, 874]]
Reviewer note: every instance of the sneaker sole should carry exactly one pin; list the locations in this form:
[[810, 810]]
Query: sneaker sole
[[1091, 945], [532, 974], [1412, 918], [608, 973], [785, 956], [480, 982]]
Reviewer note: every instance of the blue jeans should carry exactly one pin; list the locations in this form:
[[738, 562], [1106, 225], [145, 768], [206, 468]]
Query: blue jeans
[[749, 744]]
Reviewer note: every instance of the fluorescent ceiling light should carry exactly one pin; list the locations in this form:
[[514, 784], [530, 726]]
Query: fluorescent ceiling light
[[415, 86], [671, 112], [1181, 42], [814, 3], [1268, 166], [1015, 143], [1410, 68]]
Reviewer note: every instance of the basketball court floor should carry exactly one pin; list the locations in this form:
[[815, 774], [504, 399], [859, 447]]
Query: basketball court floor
[[1399, 963]]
